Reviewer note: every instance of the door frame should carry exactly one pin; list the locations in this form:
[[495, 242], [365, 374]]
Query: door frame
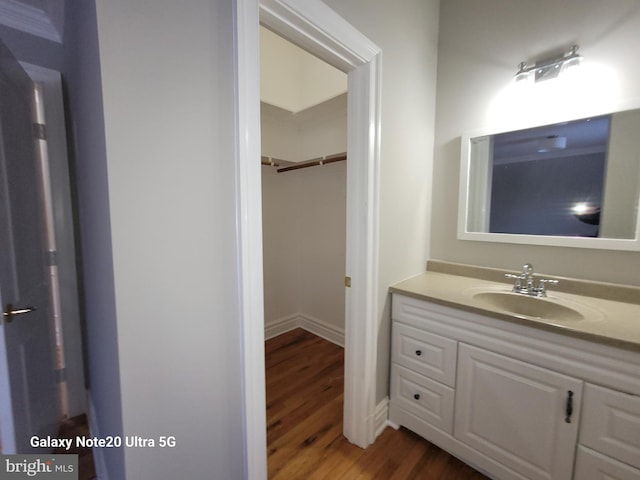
[[313, 26]]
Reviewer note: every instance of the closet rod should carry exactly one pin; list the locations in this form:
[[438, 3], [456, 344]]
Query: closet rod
[[338, 157]]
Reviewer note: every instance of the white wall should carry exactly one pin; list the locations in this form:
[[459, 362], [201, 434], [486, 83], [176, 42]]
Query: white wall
[[407, 33], [169, 288], [304, 215], [481, 44], [281, 246], [322, 224], [323, 129], [280, 136]]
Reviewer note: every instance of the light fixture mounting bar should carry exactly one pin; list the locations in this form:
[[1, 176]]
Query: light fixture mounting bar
[[548, 68]]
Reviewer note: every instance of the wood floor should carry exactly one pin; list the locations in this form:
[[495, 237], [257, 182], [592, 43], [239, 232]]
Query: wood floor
[[304, 423], [79, 427]]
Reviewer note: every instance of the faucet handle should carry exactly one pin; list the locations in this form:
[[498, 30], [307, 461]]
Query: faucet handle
[[542, 289], [517, 277], [517, 286]]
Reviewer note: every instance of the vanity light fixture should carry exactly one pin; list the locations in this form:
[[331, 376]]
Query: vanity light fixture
[[587, 213], [551, 143], [550, 67]]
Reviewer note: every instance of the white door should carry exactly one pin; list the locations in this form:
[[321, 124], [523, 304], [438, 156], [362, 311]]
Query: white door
[[28, 388], [523, 416]]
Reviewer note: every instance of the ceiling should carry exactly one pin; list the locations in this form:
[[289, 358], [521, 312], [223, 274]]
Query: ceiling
[[293, 79], [578, 137]]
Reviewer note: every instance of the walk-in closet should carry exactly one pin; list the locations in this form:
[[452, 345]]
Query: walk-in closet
[[304, 145]]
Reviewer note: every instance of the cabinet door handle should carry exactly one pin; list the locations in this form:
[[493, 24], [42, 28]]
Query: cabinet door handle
[[416, 396], [569, 410], [418, 352]]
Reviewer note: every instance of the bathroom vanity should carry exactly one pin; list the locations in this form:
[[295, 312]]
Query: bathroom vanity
[[515, 395]]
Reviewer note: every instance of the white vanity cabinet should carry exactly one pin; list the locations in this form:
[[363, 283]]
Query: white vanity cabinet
[[513, 401]]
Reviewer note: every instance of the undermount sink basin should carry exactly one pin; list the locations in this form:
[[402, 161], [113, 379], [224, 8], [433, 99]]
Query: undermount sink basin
[[535, 307]]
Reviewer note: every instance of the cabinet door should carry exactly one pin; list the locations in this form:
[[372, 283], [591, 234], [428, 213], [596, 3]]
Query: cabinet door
[[592, 465], [611, 423], [517, 413]]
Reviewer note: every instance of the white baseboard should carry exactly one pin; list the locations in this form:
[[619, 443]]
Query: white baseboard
[[381, 419], [98, 457], [307, 322], [323, 329], [393, 425], [280, 326]]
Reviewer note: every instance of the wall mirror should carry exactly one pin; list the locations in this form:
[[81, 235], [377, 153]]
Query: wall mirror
[[574, 183]]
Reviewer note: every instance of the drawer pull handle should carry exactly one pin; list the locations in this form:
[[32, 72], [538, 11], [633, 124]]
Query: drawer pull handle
[[418, 352], [416, 396], [569, 410]]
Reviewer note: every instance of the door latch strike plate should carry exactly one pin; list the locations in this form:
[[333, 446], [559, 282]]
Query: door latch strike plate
[[347, 282]]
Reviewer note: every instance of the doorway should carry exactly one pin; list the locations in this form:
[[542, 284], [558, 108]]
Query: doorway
[[304, 139], [319, 30], [303, 125], [42, 359]]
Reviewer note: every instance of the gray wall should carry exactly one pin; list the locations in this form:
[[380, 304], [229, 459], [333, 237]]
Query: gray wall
[[481, 44], [88, 152]]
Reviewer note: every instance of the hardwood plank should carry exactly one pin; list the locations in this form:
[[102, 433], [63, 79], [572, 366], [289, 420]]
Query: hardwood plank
[[304, 381], [409, 463], [78, 427]]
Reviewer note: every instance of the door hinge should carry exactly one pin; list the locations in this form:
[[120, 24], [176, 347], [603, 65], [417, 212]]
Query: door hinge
[[40, 131], [51, 258], [347, 282]]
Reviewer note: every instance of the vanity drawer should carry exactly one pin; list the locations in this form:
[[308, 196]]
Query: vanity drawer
[[428, 354], [611, 424], [592, 465], [430, 401]]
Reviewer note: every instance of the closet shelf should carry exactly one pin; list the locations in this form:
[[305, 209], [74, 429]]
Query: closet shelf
[[274, 162]]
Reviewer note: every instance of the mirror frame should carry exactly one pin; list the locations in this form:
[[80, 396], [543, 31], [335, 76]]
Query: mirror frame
[[632, 244]]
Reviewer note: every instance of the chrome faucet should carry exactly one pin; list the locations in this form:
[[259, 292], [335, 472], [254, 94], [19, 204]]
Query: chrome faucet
[[524, 282]]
